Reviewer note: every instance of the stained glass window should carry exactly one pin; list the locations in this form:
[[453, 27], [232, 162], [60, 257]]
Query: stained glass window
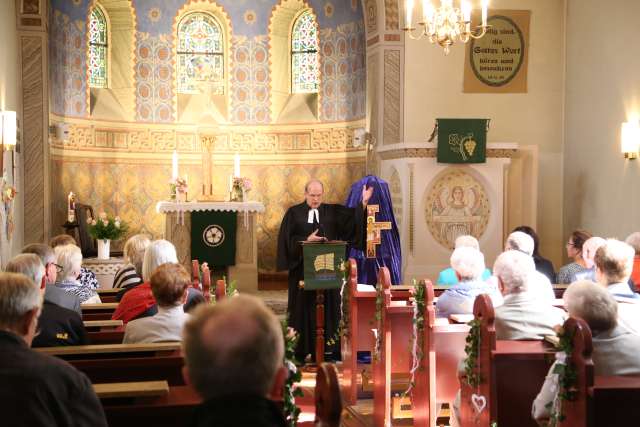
[[304, 54], [200, 54], [98, 52]]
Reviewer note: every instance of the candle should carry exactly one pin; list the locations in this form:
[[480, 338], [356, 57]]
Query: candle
[[485, 3], [465, 7], [71, 208], [174, 165], [427, 11], [409, 11], [236, 165]]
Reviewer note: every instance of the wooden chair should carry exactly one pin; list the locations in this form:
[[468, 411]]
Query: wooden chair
[[600, 400], [508, 397]]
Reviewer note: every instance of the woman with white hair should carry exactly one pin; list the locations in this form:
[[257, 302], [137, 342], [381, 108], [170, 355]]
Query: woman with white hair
[[69, 257], [538, 283], [468, 264], [139, 301], [589, 249], [633, 240], [447, 277], [130, 275], [616, 351]]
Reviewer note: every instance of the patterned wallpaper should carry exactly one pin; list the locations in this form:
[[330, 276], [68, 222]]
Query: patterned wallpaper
[[342, 47]]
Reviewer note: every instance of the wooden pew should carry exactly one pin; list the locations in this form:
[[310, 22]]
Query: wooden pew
[[131, 389], [600, 400], [108, 291], [105, 337], [101, 311], [511, 375], [361, 312], [102, 325], [83, 352], [328, 398]]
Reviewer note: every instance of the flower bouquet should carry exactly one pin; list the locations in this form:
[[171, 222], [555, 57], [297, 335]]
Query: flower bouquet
[[104, 230], [178, 189], [240, 186]]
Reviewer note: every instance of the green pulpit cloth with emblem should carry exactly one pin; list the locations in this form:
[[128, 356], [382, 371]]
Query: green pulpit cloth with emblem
[[213, 237], [323, 264], [462, 140]]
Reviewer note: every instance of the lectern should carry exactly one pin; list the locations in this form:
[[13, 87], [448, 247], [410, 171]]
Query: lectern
[[323, 269]]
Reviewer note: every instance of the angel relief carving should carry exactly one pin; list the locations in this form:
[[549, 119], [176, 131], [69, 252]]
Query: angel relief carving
[[457, 204]]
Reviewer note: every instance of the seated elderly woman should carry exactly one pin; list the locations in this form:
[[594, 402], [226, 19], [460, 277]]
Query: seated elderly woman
[[567, 273], [139, 301], [538, 284], [86, 277], [589, 249], [447, 277], [130, 275], [69, 257], [523, 315], [169, 284], [543, 265], [633, 240], [614, 262], [468, 264], [616, 351]]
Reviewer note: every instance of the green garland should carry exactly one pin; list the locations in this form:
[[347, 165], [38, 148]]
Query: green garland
[[419, 295], [291, 410], [377, 319], [567, 377], [345, 295], [471, 350]]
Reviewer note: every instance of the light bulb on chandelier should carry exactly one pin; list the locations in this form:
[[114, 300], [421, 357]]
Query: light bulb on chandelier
[[446, 24]]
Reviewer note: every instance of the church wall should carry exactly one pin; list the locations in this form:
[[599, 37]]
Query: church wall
[[10, 101], [433, 89], [603, 91], [124, 166]]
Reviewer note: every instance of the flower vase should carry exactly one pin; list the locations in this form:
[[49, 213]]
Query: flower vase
[[237, 194], [103, 248]]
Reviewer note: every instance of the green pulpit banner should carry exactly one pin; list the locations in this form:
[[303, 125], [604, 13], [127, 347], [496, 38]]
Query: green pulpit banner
[[213, 237], [462, 140], [323, 265]]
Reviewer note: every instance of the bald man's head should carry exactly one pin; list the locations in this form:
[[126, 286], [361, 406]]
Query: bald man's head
[[233, 347]]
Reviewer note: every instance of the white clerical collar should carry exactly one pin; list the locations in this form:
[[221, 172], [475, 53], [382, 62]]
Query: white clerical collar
[[312, 213]]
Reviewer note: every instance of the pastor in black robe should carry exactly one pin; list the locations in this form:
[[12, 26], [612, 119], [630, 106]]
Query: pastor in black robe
[[336, 222]]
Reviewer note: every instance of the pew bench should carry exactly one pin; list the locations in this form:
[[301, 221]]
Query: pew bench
[[105, 337], [102, 351], [102, 325], [131, 389]]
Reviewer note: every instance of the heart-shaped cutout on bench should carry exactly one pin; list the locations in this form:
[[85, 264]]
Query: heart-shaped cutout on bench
[[479, 402]]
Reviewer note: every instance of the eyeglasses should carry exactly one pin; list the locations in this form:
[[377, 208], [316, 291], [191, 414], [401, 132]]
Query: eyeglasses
[[58, 267], [570, 244]]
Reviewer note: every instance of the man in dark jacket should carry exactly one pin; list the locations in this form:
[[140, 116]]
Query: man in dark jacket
[[234, 354], [36, 389]]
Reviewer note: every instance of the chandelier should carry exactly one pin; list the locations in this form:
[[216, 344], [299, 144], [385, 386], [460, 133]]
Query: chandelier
[[447, 23]]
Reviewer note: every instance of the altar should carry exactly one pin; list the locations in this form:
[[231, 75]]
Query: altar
[[178, 232]]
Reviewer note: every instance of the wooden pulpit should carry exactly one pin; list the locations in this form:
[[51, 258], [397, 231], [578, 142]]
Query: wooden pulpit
[[323, 269]]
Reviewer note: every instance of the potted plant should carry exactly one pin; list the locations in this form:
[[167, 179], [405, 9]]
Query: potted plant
[[104, 230]]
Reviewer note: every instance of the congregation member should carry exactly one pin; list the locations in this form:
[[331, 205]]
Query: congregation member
[[52, 294], [538, 284], [447, 277], [139, 301], [468, 264], [69, 257], [567, 273], [589, 249], [169, 284], [614, 262], [543, 265], [522, 316], [86, 277], [57, 325], [633, 240], [130, 274], [234, 354], [616, 351], [36, 389]]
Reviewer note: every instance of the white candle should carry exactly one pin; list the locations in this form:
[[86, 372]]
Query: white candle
[[174, 165], [485, 4], [427, 11], [409, 11], [236, 165], [465, 6]]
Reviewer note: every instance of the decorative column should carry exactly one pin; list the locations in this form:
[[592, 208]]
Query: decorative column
[[33, 42]]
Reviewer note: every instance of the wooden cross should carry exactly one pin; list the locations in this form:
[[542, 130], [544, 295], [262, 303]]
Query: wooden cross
[[374, 230]]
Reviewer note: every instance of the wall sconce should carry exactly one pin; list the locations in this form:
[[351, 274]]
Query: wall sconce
[[630, 139], [9, 130]]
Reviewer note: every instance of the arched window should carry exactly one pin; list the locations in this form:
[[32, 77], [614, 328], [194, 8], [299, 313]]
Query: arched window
[[304, 54], [98, 48], [200, 53]]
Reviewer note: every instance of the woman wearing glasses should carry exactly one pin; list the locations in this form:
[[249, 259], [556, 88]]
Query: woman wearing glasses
[[567, 273]]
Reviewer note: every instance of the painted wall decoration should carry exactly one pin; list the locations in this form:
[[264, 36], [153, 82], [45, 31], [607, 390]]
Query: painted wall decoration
[[456, 204], [123, 166], [395, 187]]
